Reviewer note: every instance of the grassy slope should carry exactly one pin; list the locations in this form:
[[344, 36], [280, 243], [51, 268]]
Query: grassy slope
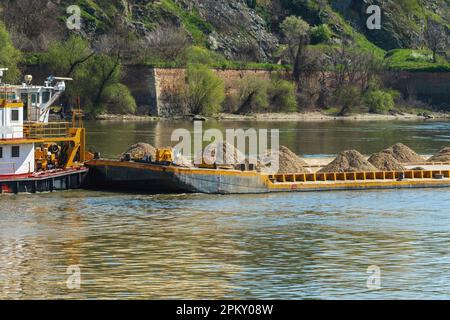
[[99, 13], [416, 60]]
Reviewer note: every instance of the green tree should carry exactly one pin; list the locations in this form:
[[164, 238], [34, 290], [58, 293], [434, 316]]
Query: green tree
[[436, 37], [320, 34], [205, 91], [283, 97], [379, 101], [296, 32], [64, 58], [96, 74], [10, 57], [106, 71], [118, 99], [73, 58], [348, 97]]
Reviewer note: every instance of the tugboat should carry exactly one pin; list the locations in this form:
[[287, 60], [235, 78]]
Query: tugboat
[[36, 154]]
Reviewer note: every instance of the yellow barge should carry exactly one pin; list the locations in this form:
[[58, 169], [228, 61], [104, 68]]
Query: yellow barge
[[159, 178]]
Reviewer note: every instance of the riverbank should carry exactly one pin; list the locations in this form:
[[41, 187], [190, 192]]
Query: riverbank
[[318, 116], [295, 117]]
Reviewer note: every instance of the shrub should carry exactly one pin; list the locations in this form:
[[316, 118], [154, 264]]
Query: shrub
[[253, 94], [348, 98], [198, 55], [320, 34], [379, 101], [283, 96], [231, 103], [118, 99], [205, 91]]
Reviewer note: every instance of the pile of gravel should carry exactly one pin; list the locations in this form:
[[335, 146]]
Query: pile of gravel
[[441, 156], [288, 161], [349, 161], [403, 154], [223, 153], [385, 162], [139, 150]]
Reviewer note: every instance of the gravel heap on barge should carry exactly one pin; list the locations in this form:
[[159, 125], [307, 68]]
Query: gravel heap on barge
[[385, 162], [140, 150], [349, 171], [349, 161], [404, 154], [441, 156], [289, 162]]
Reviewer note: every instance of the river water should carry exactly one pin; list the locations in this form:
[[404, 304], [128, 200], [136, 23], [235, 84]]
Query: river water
[[284, 246]]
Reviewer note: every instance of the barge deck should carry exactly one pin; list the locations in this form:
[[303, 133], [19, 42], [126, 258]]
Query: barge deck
[[154, 178]]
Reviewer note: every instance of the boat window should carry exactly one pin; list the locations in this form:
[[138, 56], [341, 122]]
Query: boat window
[[33, 98], [14, 115], [45, 96], [15, 152], [8, 95], [1, 152]]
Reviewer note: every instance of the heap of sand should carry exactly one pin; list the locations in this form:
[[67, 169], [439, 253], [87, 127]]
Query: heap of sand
[[141, 150], [288, 161], [385, 162], [349, 161], [403, 154], [223, 153], [441, 156]]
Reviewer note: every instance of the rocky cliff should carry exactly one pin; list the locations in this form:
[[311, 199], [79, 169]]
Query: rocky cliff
[[403, 21], [249, 29]]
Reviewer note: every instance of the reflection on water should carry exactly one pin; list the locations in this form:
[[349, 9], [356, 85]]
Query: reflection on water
[[305, 138], [304, 245], [291, 246]]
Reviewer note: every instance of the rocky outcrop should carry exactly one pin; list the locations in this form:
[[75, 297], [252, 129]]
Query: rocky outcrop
[[402, 21], [239, 32], [248, 30]]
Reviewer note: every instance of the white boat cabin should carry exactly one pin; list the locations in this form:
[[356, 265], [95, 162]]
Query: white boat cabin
[[19, 105]]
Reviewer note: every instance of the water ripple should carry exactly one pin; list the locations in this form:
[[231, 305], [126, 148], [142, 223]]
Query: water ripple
[[290, 246]]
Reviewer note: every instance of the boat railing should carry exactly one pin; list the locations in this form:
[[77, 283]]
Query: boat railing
[[10, 103], [358, 176], [46, 130]]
